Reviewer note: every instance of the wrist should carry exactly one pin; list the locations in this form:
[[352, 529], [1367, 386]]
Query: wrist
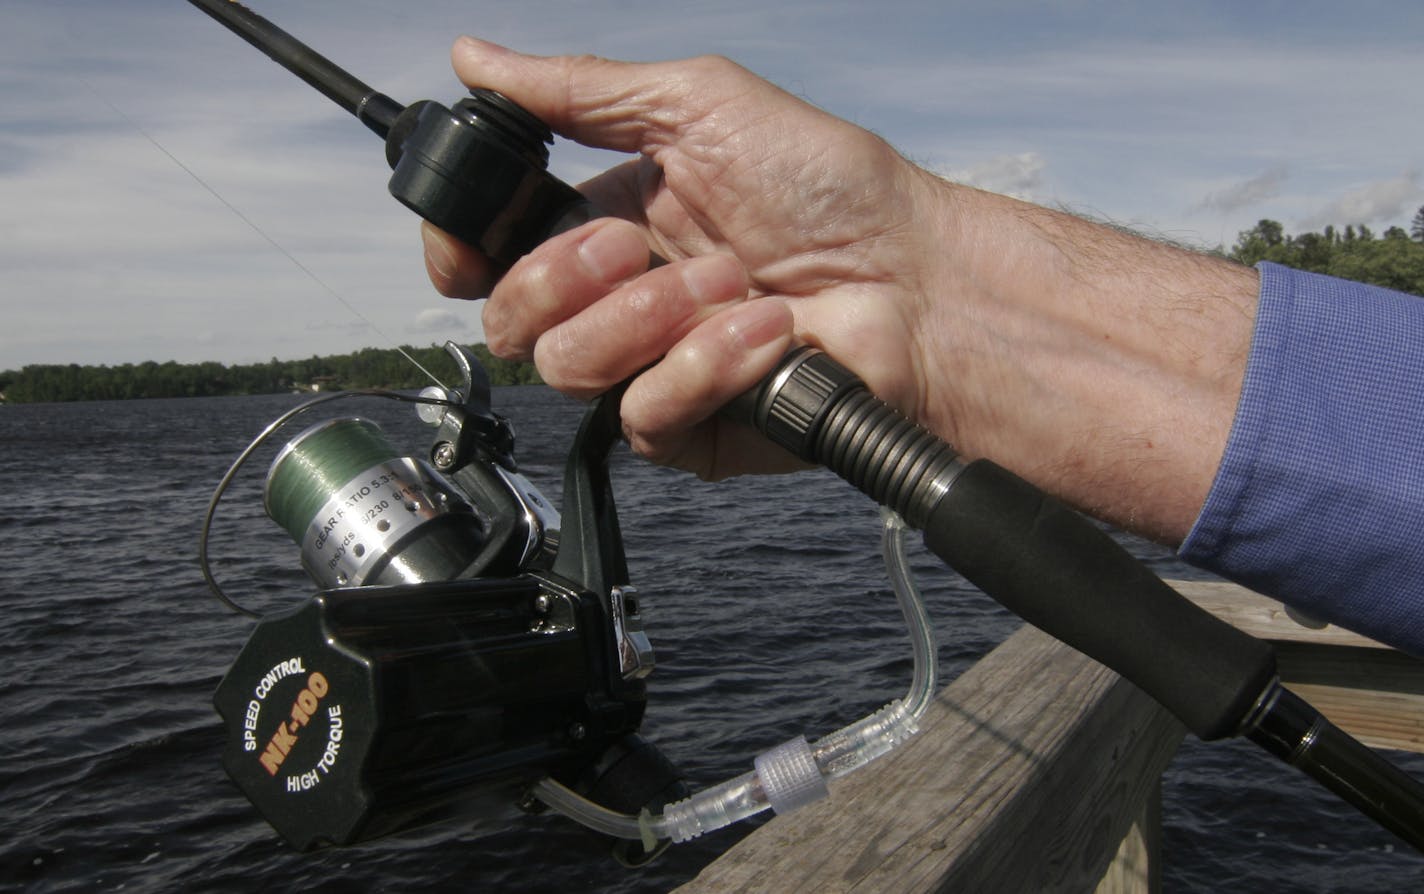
[[1100, 365]]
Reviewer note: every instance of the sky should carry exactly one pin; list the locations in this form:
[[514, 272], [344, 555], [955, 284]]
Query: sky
[[1187, 120]]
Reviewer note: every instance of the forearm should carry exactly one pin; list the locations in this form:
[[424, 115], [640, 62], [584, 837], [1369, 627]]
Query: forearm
[[1102, 366]]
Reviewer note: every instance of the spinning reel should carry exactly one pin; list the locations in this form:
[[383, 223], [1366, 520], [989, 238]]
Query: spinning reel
[[468, 641]]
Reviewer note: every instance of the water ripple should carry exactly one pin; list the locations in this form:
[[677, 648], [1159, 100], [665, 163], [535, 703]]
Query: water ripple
[[764, 598]]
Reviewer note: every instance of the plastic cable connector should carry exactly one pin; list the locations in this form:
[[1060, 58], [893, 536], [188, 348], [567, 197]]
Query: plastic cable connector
[[789, 776]]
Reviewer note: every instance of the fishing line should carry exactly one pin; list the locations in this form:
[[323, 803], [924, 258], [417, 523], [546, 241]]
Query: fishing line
[[204, 533], [317, 464], [260, 232]]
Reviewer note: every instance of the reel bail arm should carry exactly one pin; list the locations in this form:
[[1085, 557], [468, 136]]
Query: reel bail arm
[[474, 448]]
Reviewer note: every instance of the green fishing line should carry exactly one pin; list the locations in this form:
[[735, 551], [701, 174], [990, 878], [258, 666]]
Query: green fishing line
[[317, 465]]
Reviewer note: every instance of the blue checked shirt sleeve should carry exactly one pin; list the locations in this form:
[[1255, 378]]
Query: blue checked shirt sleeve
[[1319, 499]]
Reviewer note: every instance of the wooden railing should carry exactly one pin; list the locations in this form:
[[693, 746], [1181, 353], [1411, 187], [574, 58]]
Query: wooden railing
[[1039, 770]]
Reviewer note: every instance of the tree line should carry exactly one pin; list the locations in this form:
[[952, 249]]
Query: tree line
[[1394, 259], [366, 368]]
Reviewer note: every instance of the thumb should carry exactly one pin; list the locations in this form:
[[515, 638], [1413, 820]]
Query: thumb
[[624, 106]]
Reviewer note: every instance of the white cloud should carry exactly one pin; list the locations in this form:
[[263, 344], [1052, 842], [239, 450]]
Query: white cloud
[[1245, 193], [1391, 201], [1142, 128], [439, 321], [1019, 175]]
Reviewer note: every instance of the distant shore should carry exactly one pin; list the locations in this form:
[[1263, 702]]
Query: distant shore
[[366, 368]]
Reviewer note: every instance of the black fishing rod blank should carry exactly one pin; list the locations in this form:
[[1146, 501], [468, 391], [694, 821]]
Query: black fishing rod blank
[[375, 109], [476, 169]]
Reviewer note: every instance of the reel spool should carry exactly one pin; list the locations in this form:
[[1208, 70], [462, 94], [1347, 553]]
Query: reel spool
[[363, 514]]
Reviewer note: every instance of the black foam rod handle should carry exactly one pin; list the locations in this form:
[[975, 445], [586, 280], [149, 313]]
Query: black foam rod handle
[[1064, 575]]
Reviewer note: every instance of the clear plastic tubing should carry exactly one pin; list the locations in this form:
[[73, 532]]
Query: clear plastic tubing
[[795, 773]]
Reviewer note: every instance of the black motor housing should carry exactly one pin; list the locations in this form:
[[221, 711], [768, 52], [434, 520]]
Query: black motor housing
[[370, 709]]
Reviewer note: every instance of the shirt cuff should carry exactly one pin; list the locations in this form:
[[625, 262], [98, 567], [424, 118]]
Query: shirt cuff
[[1319, 498]]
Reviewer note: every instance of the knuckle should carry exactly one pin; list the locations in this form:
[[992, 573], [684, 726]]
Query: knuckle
[[715, 65], [531, 277], [500, 337], [503, 349], [572, 78], [524, 303], [563, 368], [656, 450]]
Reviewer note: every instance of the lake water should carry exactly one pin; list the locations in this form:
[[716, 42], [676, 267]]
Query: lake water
[[765, 600]]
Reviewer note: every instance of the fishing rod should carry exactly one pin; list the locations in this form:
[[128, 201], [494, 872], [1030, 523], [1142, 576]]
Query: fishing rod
[[478, 169]]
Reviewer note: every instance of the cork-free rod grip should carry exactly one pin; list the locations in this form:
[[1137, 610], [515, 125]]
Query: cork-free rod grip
[[1059, 572]]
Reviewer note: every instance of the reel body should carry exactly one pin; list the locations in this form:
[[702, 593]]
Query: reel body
[[460, 650], [370, 709]]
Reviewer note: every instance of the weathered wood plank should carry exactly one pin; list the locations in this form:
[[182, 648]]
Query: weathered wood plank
[[1038, 770], [1137, 868], [1262, 616], [1374, 693], [1030, 770]]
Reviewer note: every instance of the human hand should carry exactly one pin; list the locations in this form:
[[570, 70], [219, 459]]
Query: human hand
[[1101, 366], [778, 222]]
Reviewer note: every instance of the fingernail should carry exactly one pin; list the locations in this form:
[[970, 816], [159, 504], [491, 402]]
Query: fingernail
[[759, 322], [713, 279], [437, 252], [613, 254]]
